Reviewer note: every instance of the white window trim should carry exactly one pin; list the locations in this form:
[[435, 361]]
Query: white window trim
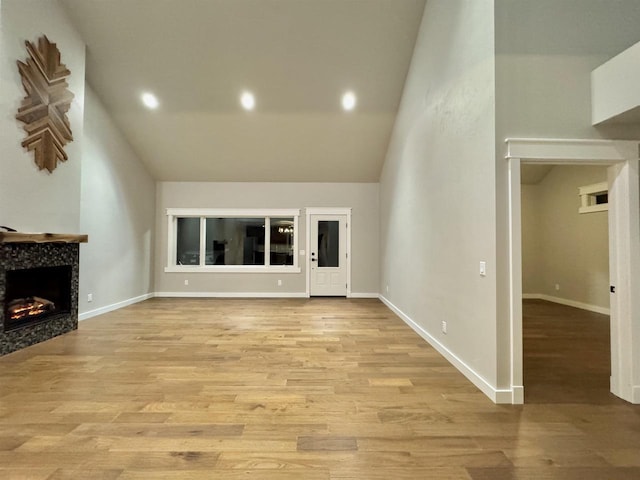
[[588, 195], [203, 213]]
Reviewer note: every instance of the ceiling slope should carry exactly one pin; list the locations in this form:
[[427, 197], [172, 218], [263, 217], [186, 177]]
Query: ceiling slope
[[297, 56]]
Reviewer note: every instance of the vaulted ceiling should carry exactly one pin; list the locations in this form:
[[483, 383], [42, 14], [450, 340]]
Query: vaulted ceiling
[[298, 57]]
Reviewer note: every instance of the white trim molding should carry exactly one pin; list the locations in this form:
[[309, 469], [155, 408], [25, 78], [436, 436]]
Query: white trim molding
[[515, 282], [589, 197], [327, 211], [571, 151], [621, 158], [232, 212], [232, 269], [114, 306], [173, 214], [624, 270], [565, 301], [364, 295], [495, 394]]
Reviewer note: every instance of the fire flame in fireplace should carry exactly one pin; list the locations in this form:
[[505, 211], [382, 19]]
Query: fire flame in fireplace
[[29, 307]]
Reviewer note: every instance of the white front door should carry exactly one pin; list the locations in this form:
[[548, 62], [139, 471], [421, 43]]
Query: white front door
[[328, 255]]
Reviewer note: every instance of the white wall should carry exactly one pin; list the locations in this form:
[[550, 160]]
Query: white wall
[[117, 211], [361, 197], [561, 246], [33, 200], [614, 84], [101, 190], [437, 188], [545, 52]]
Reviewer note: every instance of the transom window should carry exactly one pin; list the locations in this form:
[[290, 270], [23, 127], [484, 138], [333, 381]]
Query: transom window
[[232, 240]]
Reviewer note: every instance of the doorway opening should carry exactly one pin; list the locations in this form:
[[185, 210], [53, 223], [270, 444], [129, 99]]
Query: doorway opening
[[621, 160], [565, 285]]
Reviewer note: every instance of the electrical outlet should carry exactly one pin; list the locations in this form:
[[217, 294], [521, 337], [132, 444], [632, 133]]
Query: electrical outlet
[[186, 282], [279, 282], [557, 286], [444, 327], [90, 297], [387, 288]]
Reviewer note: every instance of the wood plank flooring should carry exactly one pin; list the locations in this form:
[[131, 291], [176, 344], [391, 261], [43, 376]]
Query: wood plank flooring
[[320, 389], [567, 354]]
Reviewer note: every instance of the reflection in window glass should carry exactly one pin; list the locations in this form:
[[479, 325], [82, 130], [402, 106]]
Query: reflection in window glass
[[328, 243], [281, 241], [216, 242], [234, 241], [188, 241]]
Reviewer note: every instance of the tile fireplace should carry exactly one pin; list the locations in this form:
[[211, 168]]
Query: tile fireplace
[[38, 287]]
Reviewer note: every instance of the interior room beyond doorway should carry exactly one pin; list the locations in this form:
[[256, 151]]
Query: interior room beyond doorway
[[565, 263]]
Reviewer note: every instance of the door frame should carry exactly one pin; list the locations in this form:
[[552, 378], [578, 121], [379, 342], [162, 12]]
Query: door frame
[[621, 158], [327, 211]]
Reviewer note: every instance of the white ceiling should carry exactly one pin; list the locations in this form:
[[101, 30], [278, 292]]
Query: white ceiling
[[297, 56], [532, 174]]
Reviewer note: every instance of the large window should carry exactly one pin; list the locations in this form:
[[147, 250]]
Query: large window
[[232, 240]]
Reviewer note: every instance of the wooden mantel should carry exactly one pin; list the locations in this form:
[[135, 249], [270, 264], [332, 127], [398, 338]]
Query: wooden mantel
[[21, 237]]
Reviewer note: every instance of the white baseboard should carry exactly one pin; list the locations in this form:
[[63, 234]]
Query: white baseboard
[[531, 296], [496, 395], [631, 394], [364, 295], [569, 303], [517, 397], [232, 294], [635, 394], [114, 306], [131, 301]]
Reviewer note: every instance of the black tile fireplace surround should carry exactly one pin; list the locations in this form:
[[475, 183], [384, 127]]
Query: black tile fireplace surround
[[16, 258]]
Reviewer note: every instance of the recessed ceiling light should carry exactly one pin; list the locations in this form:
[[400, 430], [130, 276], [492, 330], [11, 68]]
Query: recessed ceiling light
[[247, 100], [349, 101], [150, 100]]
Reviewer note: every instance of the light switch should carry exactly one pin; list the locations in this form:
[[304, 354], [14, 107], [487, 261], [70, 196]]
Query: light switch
[[483, 269]]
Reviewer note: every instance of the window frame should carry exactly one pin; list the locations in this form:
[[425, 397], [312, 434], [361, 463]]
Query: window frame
[[203, 213], [588, 197]]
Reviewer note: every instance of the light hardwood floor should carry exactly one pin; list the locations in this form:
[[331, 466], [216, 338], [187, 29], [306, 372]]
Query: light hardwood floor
[[326, 389]]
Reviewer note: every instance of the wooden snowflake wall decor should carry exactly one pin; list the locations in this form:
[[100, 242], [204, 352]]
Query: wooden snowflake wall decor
[[44, 109]]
